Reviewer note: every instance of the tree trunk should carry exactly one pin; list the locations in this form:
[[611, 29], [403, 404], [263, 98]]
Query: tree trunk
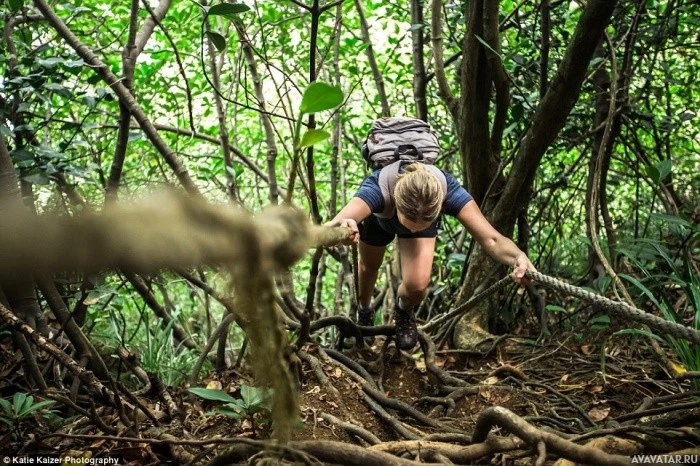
[[548, 119]]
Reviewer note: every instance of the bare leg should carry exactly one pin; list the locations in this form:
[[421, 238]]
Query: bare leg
[[416, 265], [370, 260]]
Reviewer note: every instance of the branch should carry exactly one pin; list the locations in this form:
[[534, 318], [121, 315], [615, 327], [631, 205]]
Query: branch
[[444, 91], [501, 417], [378, 79], [247, 48], [552, 111], [122, 93]]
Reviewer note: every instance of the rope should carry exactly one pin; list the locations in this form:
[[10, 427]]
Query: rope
[[657, 323], [459, 310]]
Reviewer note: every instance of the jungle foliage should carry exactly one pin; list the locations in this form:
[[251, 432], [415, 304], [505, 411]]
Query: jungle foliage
[[575, 128]]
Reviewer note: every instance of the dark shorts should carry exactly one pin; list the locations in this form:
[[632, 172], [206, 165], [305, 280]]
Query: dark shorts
[[372, 233]]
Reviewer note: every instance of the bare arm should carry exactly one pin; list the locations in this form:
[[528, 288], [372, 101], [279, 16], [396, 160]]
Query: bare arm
[[349, 216], [495, 244]]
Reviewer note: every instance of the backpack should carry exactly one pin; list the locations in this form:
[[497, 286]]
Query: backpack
[[399, 138], [394, 141]]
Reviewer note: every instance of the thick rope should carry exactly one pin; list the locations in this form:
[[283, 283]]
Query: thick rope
[[459, 310], [657, 323]]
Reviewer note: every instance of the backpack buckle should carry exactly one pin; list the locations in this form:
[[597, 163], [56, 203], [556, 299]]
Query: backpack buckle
[[408, 152]]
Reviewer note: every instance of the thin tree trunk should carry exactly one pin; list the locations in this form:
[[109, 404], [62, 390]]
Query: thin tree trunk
[[552, 111], [474, 104], [419, 80], [545, 31], [19, 295], [549, 117], [134, 46], [270, 142], [444, 91], [122, 93], [378, 79], [336, 140], [231, 187]]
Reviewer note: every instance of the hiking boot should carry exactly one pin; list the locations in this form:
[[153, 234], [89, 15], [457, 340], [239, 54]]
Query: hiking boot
[[365, 318], [406, 331]]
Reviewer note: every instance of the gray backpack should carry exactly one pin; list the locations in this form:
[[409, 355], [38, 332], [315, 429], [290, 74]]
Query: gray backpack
[[395, 141], [399, 138]]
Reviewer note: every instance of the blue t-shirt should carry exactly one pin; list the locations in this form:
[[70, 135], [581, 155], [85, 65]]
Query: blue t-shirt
[[370, 192]]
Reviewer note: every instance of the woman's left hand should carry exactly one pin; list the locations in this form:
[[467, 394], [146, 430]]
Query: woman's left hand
[[522, 264]]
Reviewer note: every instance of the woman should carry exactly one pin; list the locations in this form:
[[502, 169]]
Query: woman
[[417, 195]]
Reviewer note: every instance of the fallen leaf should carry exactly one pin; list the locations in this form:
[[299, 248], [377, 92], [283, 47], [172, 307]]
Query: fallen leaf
[[587, 349], [315, 390], [420, 365], [677, 368], [493, 380], [564, 379], [338, 373], [485, 394], [595, 388], [214, 385], [598, 413]]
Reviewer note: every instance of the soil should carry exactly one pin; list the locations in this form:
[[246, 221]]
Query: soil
[[557, 385]]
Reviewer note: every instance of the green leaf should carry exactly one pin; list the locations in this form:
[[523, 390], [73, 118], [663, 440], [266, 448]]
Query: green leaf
[[320, 96], [21, 155], [35, 407], [641, 287], [685, 116], [226, 9], [58, 89], [88, 101], [664, 167], [50, 62], [6, 406], [135, 136], [601, 321], [18, 401], [7, 421], [667, 218], [554, 308], [226, 412], [214, 395], [217, 39], [313, 136], [16, 4], [636, 331], [486, 44]]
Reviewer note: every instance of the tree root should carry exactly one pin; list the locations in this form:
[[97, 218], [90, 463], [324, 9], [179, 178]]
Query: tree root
[[498, 416], [352, 429], [456, 453], [323, 451]]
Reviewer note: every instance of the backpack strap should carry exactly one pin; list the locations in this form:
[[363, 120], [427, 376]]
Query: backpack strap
[[388, 177]]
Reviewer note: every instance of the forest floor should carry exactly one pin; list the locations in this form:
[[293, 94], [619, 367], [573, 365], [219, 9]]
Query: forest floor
[[384, 401]]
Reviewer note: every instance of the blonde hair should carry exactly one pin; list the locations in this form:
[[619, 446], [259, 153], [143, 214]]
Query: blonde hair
[[418, 194]]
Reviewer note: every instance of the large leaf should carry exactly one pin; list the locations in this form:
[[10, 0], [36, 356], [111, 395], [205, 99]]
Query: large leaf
[[319, 97], [18, 401], [35, 407], [214, 395], [6, 406], [217, 39], [313, 136], [228, 9]]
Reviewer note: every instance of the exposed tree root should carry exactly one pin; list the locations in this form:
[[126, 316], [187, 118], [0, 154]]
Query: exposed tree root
[[514, 424]]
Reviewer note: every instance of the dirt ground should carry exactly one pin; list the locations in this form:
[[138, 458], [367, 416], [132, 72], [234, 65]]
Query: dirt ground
[[558, 386]]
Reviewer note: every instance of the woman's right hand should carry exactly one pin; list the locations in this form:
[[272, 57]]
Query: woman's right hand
[[354, 238]]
